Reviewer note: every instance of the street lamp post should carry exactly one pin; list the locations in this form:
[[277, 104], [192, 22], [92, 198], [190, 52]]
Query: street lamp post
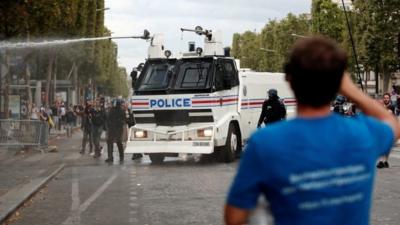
[[353, 47], [102, 9], [267, 50], [92, 81], [299, 36]]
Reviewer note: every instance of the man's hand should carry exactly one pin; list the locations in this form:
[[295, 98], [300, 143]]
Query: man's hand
[[235, 216]]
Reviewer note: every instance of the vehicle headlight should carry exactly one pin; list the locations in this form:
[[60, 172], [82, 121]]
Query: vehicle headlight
[[208, 132], [205, 133], [140, 134]]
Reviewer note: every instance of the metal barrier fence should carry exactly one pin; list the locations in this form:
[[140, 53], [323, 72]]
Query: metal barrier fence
[[24, 133]]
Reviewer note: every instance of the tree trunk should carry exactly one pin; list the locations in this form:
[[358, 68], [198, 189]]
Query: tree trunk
[[5, 84], [386, 78], [75, 82], [367, 76], [52, 96], [49, 75], [376, 81], [28, 87]]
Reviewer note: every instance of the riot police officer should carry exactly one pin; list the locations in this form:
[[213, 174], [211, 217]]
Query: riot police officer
[[115, 125], [98, 118], [86, 127], [272, 110], [338, 105]]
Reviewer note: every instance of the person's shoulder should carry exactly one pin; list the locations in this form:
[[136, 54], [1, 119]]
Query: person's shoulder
[[366, 126], [363, 119]]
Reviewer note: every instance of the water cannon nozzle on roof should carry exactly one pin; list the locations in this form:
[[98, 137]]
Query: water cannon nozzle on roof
[[199, 30]]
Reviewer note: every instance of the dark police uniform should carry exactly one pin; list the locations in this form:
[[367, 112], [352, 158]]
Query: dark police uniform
[[273, 109], [87, 129], [115, 124], [98, 117]]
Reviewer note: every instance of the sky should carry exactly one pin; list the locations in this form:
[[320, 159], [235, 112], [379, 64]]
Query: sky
[[131, 17]]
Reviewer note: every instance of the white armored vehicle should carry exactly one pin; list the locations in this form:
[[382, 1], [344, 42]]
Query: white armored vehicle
[[200, 103]]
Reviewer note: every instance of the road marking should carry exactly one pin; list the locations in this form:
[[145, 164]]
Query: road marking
[[133, 199], [75, 217], [82, 208], [95, 195]]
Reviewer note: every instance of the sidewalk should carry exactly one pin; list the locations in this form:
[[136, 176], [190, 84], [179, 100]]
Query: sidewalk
[[23, 172]]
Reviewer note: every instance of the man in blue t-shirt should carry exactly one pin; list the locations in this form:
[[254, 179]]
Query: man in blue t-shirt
[[319, 167]]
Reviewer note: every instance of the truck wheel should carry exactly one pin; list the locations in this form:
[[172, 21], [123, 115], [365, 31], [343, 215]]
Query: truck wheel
[[232, 146], [157, 158]]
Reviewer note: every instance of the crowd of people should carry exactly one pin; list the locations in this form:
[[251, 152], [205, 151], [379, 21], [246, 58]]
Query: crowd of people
[[113, 119], [94, 118], [58, 116]]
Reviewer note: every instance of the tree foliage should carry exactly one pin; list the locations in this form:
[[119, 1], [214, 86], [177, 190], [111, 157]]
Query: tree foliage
[[373, 24], [35, 20], [267, 50]]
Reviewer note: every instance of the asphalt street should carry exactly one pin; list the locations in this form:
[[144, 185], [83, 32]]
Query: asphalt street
[[179, 191], [88, 191]]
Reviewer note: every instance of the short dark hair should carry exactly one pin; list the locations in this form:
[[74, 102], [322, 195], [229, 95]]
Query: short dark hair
[[388, 94], [315, 69]]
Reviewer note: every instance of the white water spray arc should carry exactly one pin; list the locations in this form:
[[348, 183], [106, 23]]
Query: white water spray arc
[[16, 45]]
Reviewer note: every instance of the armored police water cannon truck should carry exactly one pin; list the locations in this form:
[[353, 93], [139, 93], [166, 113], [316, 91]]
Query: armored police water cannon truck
[[199, 103]]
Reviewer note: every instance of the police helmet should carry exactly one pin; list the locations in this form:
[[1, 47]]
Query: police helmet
[[272, 93], [340, 99]]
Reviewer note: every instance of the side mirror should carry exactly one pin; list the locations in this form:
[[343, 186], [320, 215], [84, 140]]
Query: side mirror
[[140, 67], [134, 75]]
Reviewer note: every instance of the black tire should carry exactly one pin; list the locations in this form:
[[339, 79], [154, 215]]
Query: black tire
[[156, 158], [232, 148]]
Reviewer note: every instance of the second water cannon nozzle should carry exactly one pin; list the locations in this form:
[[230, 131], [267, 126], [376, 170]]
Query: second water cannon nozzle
[[199, 30]]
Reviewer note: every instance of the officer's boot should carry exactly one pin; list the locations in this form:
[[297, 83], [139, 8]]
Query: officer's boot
[[110, 158], [121, 151]]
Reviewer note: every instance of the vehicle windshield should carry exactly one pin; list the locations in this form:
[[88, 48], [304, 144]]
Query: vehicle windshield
[[193, 74], [155, 75]]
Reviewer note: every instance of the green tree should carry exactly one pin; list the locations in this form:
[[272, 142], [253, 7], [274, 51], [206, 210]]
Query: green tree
[[46, 19], [236, 45], [249, 50], [379, 36], [327, 19], [267, 51]]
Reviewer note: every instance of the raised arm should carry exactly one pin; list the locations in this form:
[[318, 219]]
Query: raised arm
[[368, 105]]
